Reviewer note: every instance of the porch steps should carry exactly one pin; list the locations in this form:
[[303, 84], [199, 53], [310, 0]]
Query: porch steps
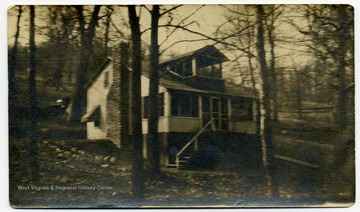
[[184, 155], [183, 159]]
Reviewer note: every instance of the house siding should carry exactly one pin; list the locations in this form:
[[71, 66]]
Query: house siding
[[96, 96], [184, 124], [243, 127], [115, 100]]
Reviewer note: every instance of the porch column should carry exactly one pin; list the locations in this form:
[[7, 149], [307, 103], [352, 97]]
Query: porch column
[[193, 66], [167, 104], [229, 107], [230, 114], [200, 107], [254, 108]]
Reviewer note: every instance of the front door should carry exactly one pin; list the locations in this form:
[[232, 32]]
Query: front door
[[216, 110]]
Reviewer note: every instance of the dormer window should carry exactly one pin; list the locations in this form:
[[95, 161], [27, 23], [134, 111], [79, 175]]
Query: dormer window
[[184, 68], [212, 71], [205, 62]]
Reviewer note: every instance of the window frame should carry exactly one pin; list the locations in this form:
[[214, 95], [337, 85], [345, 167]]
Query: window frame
[[106, 79], [242, 109]]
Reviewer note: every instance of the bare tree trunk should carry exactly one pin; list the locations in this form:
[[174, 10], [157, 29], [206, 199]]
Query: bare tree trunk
[[249, 56], [33, 99], [252, 74], [340, 95], [79, 98], [272, 71], [137, 142], [107, 28], [153, 162], [265, 109], [14, 53]]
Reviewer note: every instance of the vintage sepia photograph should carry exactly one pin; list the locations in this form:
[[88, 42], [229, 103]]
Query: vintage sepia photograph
[[181, 106]]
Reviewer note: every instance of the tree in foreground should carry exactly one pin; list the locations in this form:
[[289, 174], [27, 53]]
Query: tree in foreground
[[265, 108], [87, 36], [137, 142], [33, 100]]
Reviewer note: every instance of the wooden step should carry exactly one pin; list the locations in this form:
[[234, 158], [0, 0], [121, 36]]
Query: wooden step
[[171, 165]]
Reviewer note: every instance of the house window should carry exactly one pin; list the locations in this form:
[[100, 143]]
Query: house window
[[184, 104], [241, 109], [212, 71], [106, 79], [146, 109], [224, 114], [184, 68], [97, 123]]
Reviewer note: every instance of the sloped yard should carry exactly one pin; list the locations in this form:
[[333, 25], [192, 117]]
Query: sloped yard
[[83, 173]]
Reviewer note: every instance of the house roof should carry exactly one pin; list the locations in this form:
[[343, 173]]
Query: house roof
[[208, 50], [173, 81], [92, 115], [229, 89], [97, 73]]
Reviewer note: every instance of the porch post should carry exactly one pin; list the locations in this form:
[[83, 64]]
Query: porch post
[[193, 66], [230, 114], [254, 108], [167, 104], [200, 107]]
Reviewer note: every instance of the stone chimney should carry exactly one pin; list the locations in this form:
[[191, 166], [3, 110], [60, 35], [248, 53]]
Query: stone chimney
[[118, 110]]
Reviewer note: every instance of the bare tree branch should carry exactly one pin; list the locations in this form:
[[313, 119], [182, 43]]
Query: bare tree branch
[[169, 35], [144, 6], [216, 40], [117, 29], [181, 22], [182, 41], [236, 12], [171, 9]]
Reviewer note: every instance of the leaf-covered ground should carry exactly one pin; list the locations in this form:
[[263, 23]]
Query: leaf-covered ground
[[87, 164], [81, 173]]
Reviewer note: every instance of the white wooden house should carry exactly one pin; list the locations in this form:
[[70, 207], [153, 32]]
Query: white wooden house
[[195, 105]]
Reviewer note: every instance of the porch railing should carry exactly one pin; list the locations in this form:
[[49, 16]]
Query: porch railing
[[194, 139]]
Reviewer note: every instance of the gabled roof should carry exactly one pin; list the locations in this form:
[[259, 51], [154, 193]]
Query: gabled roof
[[92, 115], [175, 82], [229, 89], [97, 73], [171, 81], [207, 50]]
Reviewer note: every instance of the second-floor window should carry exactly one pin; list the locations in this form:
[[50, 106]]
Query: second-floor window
[[212, 71]]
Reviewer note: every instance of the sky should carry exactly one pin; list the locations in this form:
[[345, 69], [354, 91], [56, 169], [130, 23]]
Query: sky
[[207, 18]]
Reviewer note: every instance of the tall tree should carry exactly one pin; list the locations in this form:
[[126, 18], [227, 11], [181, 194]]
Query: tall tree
[[273, 14], [59, 31], [137, 142], [108, 14], [344, 21], [153, 162], [265, 108], [239, 32], [33, 99], [329, 38], [87, 36], [14, 53]]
